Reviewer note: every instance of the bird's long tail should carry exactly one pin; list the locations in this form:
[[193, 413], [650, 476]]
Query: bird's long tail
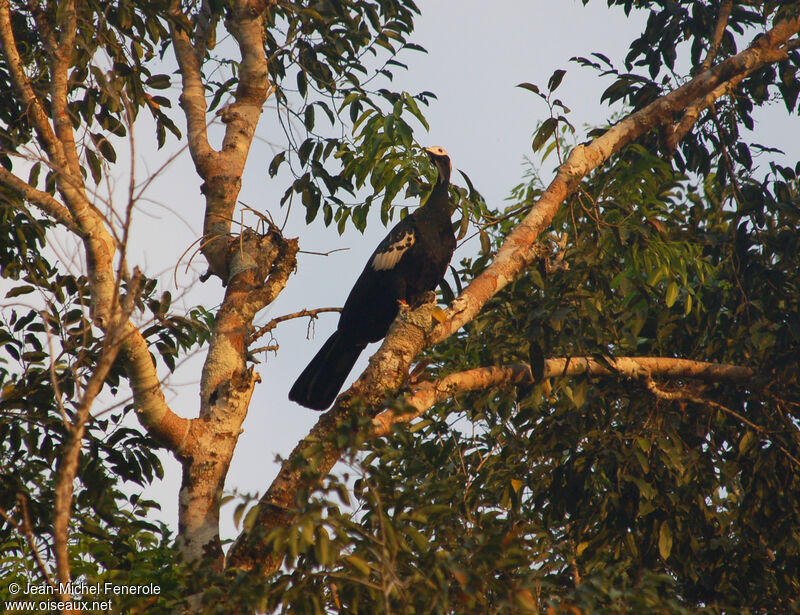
[[322, 379]]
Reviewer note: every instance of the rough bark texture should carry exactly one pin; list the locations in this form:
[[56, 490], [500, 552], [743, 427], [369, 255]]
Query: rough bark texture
[[425, 395], [253, 267]]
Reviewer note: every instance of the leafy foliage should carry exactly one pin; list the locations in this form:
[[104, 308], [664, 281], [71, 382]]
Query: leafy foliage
[[109, 82], [586, 495], [47, 355], [325, 59]]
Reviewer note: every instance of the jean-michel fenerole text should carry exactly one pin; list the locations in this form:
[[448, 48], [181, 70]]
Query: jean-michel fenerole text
[[92, 589]]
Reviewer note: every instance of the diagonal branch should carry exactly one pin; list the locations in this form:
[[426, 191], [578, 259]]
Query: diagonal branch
[[25, 527], [719, 32], [152, 409], [60, 60], [312, 315], [514, 255], [68, 462], [221, 170], [192, 100], [35, 111], [44, 201], [404, 342], [79, 215]]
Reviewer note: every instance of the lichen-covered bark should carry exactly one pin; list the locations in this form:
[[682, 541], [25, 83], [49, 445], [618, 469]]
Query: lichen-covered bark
[[260, 267], [254, 269]]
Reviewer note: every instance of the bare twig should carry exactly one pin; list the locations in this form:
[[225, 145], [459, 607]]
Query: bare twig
[[270, 348], [312, 314], [328, 253], [719, 31]]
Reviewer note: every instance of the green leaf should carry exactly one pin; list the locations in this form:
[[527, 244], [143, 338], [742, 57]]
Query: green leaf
[[403, 130], [545, 131], [94, 165], [555, 80], [672, 294], [412, 106], [276, 162], [159, 82], [665, 540], [20, 290], [358, 564], [530, 87], [747, 442], [308, 119]]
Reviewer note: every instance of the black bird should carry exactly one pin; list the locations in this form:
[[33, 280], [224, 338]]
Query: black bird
[[410, 261]]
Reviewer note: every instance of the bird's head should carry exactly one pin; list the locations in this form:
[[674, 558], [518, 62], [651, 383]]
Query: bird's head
[[441, 160]]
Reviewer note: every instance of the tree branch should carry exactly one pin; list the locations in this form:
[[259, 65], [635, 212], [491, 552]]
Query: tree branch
[[35, 111], [427, 394], [44, 201], [151, 407], [81, 217], [26, 529], [221, 170], [59, 62], [719, 32], [68, 462], [253, 267], [276, 506], [515, 253], [192, 99], [388, 367]]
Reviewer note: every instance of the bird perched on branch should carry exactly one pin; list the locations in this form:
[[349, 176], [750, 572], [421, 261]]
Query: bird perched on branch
[[410, 261]]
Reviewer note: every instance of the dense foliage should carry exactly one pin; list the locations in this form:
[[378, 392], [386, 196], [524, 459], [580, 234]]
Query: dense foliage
[[593, 495], [570, 494]]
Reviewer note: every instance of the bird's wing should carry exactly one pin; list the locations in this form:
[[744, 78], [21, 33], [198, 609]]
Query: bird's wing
[[391, 249]]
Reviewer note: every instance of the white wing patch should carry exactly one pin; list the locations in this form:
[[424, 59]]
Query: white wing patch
[[391, 255]]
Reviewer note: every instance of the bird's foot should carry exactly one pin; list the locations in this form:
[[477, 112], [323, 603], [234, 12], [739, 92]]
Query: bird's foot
[[423, 299], [403, 307]]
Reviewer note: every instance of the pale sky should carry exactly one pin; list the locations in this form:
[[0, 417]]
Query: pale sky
[[477, 53], [475, 59]]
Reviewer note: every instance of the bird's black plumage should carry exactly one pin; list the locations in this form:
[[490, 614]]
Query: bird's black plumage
[[410, 261]]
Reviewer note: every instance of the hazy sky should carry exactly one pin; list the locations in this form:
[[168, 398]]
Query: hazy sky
[[477, 53], [475, 58]]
